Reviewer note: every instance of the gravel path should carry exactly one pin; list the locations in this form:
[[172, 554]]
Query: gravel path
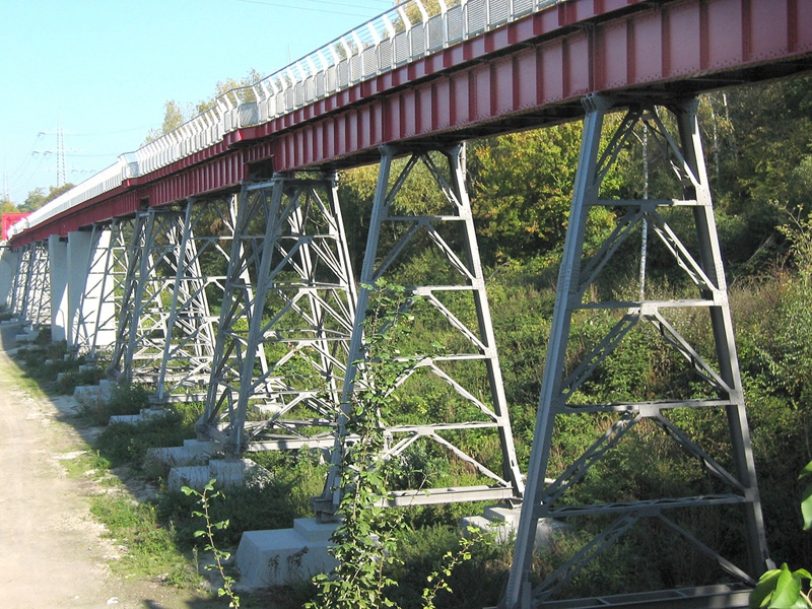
[[52, 553]]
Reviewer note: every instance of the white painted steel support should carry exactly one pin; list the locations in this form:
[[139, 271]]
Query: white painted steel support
[[565, 383], [79, 243], [36, 302], [9, 271], [17, 296], [58, 267], [289, 302], [98, 265], [466, 403], [151, 273], [206, 230]]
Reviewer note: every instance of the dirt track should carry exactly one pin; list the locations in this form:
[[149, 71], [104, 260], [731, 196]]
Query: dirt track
[[52, 553]]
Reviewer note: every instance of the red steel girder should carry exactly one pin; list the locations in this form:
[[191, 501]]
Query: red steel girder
[[529, 72], [690, 45]]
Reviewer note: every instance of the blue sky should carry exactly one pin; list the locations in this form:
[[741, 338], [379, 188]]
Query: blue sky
[[103, 69]]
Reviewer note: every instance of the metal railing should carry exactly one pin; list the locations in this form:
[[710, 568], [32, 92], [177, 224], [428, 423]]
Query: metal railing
[[407, 32]]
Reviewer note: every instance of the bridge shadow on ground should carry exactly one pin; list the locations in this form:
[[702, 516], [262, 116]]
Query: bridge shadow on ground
[[150, 505]]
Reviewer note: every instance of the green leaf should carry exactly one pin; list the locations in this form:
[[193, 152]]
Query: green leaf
[[806, 472], [199, 533], [806, 506], [187, 491], [762, 593], [787, 590]]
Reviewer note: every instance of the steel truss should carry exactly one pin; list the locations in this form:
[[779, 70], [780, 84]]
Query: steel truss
[[141, 328], [205, 228], [563, 381], [98, 310], [36, 295], [285, 321], [164, 336], [18, 283], [455, 300]]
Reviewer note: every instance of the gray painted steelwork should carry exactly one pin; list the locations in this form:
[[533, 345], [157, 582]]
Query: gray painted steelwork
[[36, 296], [98, 310], [396, 233], [547, 487], [285, 321]]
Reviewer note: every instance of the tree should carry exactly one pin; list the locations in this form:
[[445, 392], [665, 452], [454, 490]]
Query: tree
[[245, 93], [173, 118], [6, 205], [37, 197], [522, 189]]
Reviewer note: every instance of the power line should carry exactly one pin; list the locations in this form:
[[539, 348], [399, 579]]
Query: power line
[[304, 8]]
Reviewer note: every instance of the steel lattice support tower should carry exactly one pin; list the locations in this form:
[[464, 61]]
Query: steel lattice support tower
[[731, 482], [142, 330], [18, 283], [450, 295], [36, 302], [23, 285], [207, 227], [106, 265], [285, 321]]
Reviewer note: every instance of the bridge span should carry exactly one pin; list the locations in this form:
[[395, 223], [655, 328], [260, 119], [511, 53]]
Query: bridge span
[[213, 264]]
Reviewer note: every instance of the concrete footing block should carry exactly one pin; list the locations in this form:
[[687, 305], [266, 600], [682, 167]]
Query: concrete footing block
[[284, 556], [503, 522], [94, 394], [26, 337], [193, 452], [145, 416], [8, 330], [227, 472]]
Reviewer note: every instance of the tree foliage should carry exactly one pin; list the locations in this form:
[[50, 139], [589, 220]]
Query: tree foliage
[[38, 197], [522, 189]]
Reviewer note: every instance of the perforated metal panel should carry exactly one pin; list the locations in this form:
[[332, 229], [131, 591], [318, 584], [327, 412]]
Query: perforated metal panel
[[455, 21], [343, 73], [476, 16], [401, 48], [436, 27], [522, 7], [499, 12], [370, 60], [385, 55], [355, 68], [418, 41]]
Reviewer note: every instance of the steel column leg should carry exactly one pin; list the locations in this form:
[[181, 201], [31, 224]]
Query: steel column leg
[[97, 312], [447, 231], [15, 296], [9, 267], [157, 270], [127, 326], [299, 312], [561, 384], [37, 303], [722, 323], [189, 346]]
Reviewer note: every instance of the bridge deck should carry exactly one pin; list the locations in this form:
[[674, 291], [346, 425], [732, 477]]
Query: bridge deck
[[528, 72]]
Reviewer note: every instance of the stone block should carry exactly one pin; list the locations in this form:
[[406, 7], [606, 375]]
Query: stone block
[[504, 522], [284, 556]]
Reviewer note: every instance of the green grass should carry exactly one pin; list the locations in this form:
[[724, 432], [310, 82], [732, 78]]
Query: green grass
[[150, 549]]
